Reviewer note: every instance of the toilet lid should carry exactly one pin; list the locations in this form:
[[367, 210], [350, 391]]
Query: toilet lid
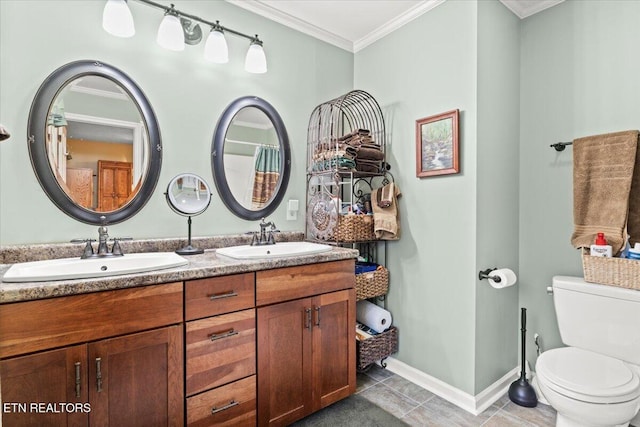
[[588, 376]]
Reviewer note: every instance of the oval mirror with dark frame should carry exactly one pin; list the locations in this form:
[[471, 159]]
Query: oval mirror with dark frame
[[251, 158], [94, 142]]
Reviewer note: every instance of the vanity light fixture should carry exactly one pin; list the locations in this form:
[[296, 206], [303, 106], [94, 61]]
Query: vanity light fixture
[[170, 35], [178, 28], [117, 19], [215, 49]]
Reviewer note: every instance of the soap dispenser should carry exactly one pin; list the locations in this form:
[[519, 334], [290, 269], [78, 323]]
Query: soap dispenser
[[600, 248]]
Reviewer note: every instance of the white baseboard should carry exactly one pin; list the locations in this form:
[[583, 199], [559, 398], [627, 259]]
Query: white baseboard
[[473, 404]]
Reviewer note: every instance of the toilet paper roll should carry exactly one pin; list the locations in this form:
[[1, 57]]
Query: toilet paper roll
[[375, 317], [507, 278]]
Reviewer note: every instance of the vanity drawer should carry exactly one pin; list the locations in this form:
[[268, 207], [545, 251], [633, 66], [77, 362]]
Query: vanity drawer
[[217, 295], [232, 405], [220, 349], [283, 284], [36, 325]]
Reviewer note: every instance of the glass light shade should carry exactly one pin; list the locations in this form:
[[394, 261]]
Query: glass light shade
[[216, 50], [117, 19], [255, 61], [170, 34]]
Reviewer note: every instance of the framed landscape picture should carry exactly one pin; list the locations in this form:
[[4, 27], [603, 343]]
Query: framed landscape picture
[[437, 145]]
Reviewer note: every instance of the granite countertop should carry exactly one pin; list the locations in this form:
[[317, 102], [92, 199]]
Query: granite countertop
[[200, 266]]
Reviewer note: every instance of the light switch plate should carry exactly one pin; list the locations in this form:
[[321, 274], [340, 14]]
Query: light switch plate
[[292, 210]]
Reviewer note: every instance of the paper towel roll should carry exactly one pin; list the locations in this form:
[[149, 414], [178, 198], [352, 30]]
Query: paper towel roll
[[375, 317], [507, 278]]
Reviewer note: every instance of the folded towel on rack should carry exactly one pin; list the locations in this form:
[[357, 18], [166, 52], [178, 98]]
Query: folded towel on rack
[[386, 216], [356, 132], [372, 166], [603, 169], [367, 153]]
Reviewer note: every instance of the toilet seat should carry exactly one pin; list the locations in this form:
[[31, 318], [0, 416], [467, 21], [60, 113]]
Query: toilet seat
[[587, 376]]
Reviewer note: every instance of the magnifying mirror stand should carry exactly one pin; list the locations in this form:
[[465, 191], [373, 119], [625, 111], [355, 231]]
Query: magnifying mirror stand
[[189, 250]]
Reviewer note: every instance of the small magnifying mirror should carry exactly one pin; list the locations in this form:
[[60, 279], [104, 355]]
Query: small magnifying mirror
[[188, 195]]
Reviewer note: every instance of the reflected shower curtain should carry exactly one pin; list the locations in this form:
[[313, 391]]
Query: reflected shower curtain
[[267, 167]]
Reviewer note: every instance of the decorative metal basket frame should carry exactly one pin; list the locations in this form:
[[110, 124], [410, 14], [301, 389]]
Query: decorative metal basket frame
[[332, 119]]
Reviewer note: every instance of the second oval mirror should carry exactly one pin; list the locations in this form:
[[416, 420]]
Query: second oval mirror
[[251, 158]]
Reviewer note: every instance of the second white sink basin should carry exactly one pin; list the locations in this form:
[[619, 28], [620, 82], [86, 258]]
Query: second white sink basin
[[284, 249], [76, 268]]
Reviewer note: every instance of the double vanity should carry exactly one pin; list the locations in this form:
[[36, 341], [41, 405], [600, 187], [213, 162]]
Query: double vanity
[[234, 335], [237, 339]]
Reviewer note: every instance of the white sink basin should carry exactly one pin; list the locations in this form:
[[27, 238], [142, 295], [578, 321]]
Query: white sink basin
[[76, 268], [284, 249]]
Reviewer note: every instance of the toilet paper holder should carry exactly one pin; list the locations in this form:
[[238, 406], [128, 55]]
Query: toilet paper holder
[[486, 274]]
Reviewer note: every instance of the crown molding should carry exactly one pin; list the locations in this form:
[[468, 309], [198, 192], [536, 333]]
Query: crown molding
[[291, 21], [395, 23], [524, 9]]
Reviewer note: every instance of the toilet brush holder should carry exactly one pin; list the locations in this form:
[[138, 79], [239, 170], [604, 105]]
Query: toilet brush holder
[[520, 391]]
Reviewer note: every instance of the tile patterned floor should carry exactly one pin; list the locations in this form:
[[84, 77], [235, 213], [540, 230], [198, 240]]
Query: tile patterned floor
[[421, 408]]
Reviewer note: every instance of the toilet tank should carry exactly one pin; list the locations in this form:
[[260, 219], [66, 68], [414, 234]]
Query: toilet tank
[[601, 318]]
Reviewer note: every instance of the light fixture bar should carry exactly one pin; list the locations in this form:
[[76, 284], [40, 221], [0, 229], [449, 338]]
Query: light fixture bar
[[197, 18]]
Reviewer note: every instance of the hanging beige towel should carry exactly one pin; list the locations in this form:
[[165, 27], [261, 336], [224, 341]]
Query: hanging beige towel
[[633, 219], [602, 173], [386, 219]]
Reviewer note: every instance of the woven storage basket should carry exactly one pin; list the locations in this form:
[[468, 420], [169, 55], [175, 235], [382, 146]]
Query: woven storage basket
[[354, 228], [377, 347], [372, 283], [621, 272]]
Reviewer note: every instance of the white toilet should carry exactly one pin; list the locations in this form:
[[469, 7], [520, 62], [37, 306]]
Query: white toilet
[[595, 381]]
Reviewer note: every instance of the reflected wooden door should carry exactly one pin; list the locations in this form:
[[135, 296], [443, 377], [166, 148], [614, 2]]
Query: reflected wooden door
[[80, 183], [114, 184]]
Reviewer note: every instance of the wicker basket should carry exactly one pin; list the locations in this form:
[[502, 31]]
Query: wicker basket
[[372, 283], [611, 271], [354, 228], [376, 348]]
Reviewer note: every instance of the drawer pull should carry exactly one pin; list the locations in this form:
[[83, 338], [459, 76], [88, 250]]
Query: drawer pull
[[78, 380], [223, 295], [225, 334], [231, 404], [99, 374]]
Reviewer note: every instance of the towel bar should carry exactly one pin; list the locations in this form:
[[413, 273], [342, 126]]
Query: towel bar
[[560, 146]]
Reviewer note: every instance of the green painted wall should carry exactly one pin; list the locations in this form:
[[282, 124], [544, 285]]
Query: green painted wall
[[496, 321], [511, 205], [425, 68], [188, 96], [579, 77]]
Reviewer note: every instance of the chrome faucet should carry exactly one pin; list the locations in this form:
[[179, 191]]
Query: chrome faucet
[[103, 247], [265, 237]]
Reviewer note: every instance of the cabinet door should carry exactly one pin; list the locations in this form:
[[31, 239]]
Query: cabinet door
[[284, 362], [35, 386], [137, 380], [334, 363]]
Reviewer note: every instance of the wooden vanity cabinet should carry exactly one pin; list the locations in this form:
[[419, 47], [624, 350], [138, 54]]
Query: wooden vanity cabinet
[[306, 346], [220, 331], [117, 375]]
